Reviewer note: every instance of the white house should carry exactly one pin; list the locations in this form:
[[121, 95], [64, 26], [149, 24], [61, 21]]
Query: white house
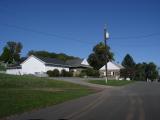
[[113, 70], [40, 65], [14, 70]]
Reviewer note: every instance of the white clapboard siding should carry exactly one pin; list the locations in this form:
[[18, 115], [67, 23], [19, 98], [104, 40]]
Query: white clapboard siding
[[58, 68], [14, 71], [32, 66]]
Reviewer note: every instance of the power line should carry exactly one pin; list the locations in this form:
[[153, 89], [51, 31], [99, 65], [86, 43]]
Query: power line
[[138, 37], [46, 34], [73, 39], [78, 40]]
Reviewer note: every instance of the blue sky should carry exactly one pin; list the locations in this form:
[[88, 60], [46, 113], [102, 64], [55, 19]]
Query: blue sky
[[75, 26]]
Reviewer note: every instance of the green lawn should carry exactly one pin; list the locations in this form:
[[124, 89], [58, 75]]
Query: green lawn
[[111, 82], [23, 93]]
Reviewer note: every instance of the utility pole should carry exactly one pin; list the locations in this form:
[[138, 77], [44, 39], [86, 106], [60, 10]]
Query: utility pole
[[106, 37]]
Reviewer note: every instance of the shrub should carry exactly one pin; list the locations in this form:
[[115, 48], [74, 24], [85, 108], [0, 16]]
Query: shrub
[[50, 73], [69, 74], [82, 73], [2, 68], [90, 72], [54, 73], [65, 73]]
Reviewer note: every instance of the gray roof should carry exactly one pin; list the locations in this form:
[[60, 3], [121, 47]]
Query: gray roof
[[118, 65], [56, 62], [52, 61], [74, 62], [77, 63], [69, 63]]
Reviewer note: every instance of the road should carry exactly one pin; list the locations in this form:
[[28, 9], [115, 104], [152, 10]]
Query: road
[[138, 101]]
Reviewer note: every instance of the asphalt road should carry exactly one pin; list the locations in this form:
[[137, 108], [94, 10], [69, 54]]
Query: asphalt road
[[138, 101]]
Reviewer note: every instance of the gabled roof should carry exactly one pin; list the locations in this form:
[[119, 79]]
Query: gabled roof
[[52, 61], [112, 66], [74, 62], [33, 57], [118, 65], [78, 63], [48, 61], [85, 62], [57, 62]]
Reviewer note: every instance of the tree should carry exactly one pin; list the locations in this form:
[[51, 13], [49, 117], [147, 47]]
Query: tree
[[129, 65], [140, 71], [6, 55], [60, 56], [144, 71], [11, 52], [158, 71], [128, 62], [151, 71], [97, 59]]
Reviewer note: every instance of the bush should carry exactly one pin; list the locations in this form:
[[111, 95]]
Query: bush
[[90, 72], [54, 73], [82, 74], [49, 73], [127, 73], [70, 74], [2, 68], [65, 73]]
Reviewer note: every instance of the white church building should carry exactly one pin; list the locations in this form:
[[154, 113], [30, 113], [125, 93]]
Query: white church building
[[40, 65]]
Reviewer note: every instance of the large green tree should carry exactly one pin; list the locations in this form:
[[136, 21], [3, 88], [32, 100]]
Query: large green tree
[[97, 58], [11, 52], [144, 71], [128, 61], [6, 55], [140, 74], [129, 65], [151, 71]]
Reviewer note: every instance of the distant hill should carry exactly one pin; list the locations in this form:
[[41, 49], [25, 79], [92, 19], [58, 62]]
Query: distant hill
[[61, 56]]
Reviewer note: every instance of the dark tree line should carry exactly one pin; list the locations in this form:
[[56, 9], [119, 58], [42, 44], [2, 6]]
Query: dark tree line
[[140, 71], [11, 54], [60, 56]]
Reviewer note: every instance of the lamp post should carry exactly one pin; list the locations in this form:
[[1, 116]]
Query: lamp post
[[106, 37]]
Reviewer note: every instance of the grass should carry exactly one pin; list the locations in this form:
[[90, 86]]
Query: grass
[[111, 82], [24, 93]]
